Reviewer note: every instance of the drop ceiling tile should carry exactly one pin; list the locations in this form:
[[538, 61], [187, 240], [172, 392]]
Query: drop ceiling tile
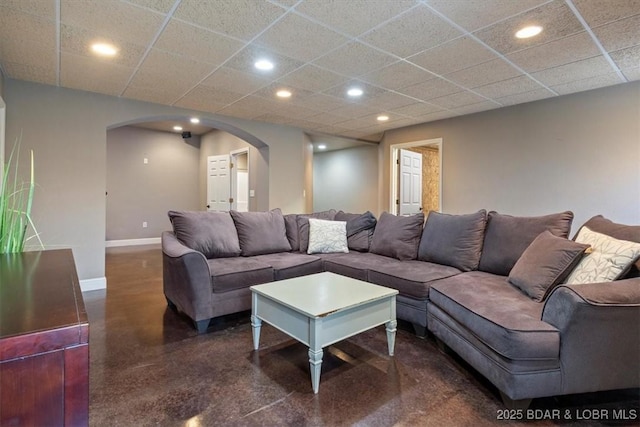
[[132, 24], [474, 14], [453, 55], [632, 74], [77, 41], [273, 118], [599, 12], [512, 86], [235, 80], [26, 38], [320, 102], [418, 109], [327, 119], [398, 75], [620, 34], [43, 9], [587, 84], [174, 68], [304, 124], [412, 32], [299, 38], [354, 59], [483, 74], [389, 100], [250, 107], [476, 108], [555, 53], [158, 94], [287, 3], [430, 89], [354, 124], [312, 78], [237, 18], [354, 111], [218, 95], [332, 130], [39, 74], [627, 58], [90, 74], [205, 98], [355, 16], [196, 43], [163, 6], [439, 115], [578, 70], [394, 119], [555, 17], [245, 59], [457, 100], [520, 98]]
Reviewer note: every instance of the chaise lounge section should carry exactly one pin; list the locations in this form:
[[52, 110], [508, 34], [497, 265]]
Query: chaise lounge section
[[488, 286]]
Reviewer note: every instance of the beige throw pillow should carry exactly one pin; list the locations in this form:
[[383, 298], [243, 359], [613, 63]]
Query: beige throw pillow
[[609, 260]]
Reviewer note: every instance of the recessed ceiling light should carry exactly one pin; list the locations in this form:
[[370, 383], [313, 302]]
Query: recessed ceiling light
[[104, 49], [264, 65], [283, 93], [177, 128], [322, 147], [530, 31], [194, 120], [355, 91], [383, 118]]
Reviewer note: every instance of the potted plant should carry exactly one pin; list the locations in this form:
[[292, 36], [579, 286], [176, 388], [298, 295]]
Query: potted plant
[[16, 198]]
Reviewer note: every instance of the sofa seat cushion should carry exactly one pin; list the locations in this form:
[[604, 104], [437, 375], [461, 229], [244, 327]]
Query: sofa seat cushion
[[497, 314], [228, 274], [291, 264], [410, 278], [354, 264]]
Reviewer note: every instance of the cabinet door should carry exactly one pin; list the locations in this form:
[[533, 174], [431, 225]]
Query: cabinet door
[[32, 390]]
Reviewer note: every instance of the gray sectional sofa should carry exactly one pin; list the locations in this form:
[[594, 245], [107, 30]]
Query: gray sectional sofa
[[488, 286]]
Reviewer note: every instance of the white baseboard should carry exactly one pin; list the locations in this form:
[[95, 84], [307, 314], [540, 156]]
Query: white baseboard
[[132, 242], [93, 284]]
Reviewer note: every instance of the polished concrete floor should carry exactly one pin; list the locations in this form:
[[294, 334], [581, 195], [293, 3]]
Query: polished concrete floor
[[149, 367]]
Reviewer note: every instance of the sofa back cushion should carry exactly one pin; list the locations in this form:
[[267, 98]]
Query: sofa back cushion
[[506, 238], [291, 227], [454, 240], [397, 236], [303, 226], [261, 232], [630, 233], [545, 264], [212, 233], [359, 229]]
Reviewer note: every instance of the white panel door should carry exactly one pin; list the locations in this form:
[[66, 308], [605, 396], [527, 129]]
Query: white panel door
[[218, 183], [410, 182]]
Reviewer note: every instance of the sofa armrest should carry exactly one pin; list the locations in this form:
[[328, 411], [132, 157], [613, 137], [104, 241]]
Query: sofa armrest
[[186, 278], [599, 326]]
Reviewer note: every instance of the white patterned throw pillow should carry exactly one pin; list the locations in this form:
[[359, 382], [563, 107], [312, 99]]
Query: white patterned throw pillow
[[327, 237], [609, 259]]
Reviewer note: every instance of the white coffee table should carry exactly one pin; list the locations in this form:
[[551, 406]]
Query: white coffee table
[[321, 309]]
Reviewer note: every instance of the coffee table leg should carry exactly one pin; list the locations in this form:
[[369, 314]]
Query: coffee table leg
[[256, 324], [315, 365], [391, 335]]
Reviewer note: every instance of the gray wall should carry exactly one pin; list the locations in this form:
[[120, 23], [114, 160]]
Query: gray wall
[[579, 152], [346, 179], [68, 131], [140, 192], [220, 142]]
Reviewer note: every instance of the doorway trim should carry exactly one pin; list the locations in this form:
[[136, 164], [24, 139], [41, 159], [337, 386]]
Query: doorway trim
[[234, 175], [393, 168]]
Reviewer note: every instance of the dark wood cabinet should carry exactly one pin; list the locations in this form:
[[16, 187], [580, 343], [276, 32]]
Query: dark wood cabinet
[[44, 341]]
